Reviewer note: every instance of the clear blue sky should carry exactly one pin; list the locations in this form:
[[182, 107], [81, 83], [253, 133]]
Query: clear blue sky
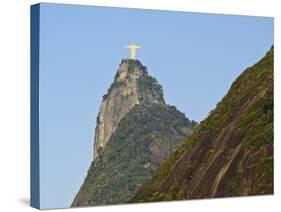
[[194, 56]]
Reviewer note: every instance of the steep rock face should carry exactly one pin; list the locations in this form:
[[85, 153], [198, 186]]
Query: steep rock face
[[136, 130], [231, 152], [126, 91]]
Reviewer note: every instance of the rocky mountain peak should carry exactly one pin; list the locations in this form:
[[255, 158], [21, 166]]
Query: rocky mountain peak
[[135, 132], [130, 68], [131, 86]]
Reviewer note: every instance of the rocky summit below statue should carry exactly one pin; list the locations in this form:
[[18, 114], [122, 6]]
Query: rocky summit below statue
[[131, 86], [136, 130]]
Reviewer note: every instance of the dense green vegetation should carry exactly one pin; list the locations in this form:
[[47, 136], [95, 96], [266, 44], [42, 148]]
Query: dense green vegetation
[[248, 109], [149, 85], [128, 160]]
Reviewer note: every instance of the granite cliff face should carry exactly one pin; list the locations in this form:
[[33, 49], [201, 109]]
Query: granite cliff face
[[135, 131], [231, 152], [124, 93]]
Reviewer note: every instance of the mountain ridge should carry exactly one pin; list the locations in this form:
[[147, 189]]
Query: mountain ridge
[[230, 153]]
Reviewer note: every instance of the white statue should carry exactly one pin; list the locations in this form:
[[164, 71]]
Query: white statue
[[133, 50]]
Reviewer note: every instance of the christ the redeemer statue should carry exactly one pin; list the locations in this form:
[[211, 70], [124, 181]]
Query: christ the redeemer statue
[[133, 50]]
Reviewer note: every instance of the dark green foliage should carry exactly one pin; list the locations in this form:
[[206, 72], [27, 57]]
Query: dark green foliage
[[149, 85], [115, 84], [125, 97], [265, 167], [234, 185], [127, 160], [130, 71]]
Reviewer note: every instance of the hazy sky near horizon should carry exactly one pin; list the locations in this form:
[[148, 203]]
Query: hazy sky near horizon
[[194, 56]]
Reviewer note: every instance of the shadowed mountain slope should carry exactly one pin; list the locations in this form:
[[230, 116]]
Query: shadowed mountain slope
[[230, 153]]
